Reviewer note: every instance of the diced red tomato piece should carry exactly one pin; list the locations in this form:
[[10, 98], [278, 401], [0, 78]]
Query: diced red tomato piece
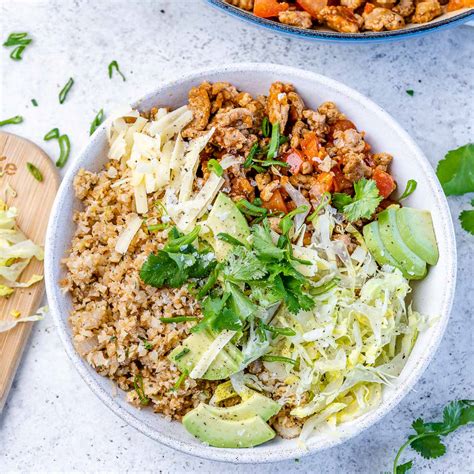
[[457, 4], [368, 8], [384, 182], [275, 203], [325, 182], [310, 145], [295, 159], [269, 8], [313, 7], [340, 181]]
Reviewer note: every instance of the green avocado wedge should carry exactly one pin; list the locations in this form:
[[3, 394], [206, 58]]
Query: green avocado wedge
[[256, 404], [416, 229], [189, 352], [376, 247], [412, 266], [226, 217], [222, 433]]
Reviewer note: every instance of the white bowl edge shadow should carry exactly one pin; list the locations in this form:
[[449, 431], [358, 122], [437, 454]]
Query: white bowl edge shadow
[[433, 296]]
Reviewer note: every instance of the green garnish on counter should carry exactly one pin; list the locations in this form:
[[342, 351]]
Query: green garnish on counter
[[34, 102], [21, 41], [410, 92], [34, 171], [98, 119], [114, 65], [409, 189], [64, 150], [12, 121], [52, 134], [65, 90]]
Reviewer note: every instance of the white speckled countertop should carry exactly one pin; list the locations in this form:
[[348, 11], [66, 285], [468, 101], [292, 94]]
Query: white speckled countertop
[[52, 421]]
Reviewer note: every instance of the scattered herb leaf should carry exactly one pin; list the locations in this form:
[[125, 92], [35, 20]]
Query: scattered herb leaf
[[410, 92], [363, 204], [214, 167], [427, 441], [65, 90], [34, 102], [147, 345], [409, 189], [12, 121], [467, 221], [98, 119], [34, 171], [456, 171], [114, 65]]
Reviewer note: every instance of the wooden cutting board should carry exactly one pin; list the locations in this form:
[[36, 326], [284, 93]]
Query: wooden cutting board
[[33, 201]]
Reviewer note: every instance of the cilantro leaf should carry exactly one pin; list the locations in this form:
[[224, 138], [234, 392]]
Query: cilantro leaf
[[244, 265], [404, 468], [429, 446], [263, 244], [456, 171], [363, 204], [427, 440], [467, 220]]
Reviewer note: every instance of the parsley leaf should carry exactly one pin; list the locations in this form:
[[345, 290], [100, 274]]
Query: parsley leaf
[[363, 204], [427, 440], [456, 171], [467, 220]]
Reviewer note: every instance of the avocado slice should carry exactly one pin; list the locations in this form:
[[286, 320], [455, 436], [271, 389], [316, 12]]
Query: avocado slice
[[416, 229], [412, 266], [221, 433], [375, 245], [188, 354], [226, 217], [256, 404]]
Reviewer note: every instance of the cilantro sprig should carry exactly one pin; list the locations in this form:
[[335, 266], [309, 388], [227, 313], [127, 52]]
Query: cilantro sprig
[[427, 440], [456, 175], [364, 203]]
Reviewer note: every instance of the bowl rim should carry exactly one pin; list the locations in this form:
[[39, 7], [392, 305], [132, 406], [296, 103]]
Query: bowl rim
[[249, 455], [337, 37]]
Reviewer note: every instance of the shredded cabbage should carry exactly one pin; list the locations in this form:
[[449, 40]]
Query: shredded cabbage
[[16, 251], [7, 324]]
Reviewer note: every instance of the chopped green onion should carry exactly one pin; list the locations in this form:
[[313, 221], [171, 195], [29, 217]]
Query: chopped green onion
[[280, 331], [260, 330], [161, 208], [214, 166], [259, 169], [274, 141], [211, 281], [114, 65], [138, 385], [12, 121], [53, 133], [287, 222], [64, 149], [251, 155], [17, 39], [175, 244], [265, 127], [324, 288], [251, 210], [148, 346], [410, 92], [65, 90], [323, 202], [34, 171], [16, 54], [272, 358], [410, 188], [180, 380], [272, 163], [98, 119], [178, 319], [158, 227], [34, 102], [229, 239], [182, 353]]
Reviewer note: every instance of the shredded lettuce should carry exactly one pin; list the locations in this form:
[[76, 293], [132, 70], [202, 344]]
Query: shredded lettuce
[[7, 324], [16, 251]]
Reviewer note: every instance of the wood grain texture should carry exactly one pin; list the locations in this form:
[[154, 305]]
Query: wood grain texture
[[33, 201]]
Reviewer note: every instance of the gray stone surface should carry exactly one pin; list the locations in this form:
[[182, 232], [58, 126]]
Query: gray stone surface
[[52, 421]]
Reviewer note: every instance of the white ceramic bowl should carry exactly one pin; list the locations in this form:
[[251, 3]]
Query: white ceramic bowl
[[432, 296]]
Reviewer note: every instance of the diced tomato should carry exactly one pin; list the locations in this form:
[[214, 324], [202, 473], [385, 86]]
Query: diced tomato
[[310, 145], [384, 182], [368, 8], [295, 159], [313, 7], [325, 182], [340, 126], [340, 181], [268, 8], [275, 203], [457, 4]]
